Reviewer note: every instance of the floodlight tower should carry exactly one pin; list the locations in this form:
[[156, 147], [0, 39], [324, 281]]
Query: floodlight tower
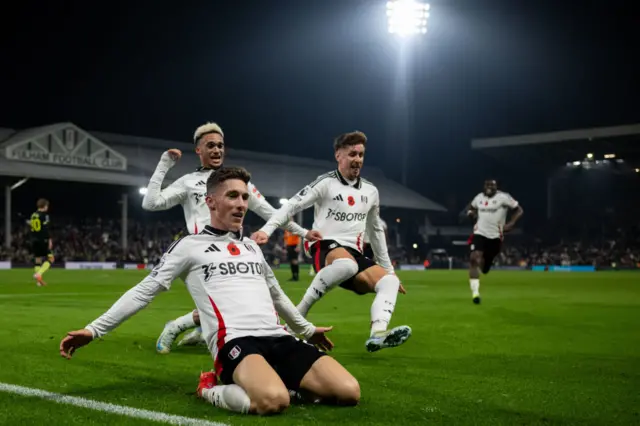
[[407, 19]]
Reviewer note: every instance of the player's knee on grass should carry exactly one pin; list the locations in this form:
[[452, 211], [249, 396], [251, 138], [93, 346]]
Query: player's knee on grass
[[330, 381], [266, 391], [271, 400]]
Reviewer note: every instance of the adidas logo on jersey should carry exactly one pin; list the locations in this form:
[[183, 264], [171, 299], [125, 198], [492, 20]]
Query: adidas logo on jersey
[[338, 198], [201, 183], [212, 248]]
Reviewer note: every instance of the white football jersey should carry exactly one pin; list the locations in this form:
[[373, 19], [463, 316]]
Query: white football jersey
[[342, 212], [190, 191], [492, 213], [226, 277]]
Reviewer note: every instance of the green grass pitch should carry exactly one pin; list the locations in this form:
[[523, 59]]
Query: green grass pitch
[[543, 348]]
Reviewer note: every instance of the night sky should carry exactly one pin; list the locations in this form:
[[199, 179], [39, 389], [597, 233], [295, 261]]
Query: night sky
[[287, 76]]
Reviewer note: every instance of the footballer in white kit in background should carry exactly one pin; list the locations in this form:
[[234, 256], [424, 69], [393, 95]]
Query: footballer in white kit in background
[[345, 206], [189, 191], [257, 362], [490, 208]]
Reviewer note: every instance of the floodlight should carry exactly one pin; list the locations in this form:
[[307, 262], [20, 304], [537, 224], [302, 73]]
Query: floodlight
[[609, 156], [415, 246], [589, 155], [576, 163], [407, 17], [637, 170], [143, 191], [283, 201]]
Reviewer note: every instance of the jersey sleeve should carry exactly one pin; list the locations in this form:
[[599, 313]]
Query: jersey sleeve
[[375, 229], [174, 263], [156, 198], [302, 200], [475, 202], [259, 205], [509, 201], [285, 308]]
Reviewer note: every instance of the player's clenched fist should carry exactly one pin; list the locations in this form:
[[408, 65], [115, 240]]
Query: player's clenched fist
[[175, 154]]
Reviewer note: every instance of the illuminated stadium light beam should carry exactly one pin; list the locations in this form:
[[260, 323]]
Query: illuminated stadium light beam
[[407, 17], [576, 163], [609, 156], [589, 155]]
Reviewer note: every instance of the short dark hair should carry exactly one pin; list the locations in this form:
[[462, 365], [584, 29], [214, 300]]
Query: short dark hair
[[224, 174], [42, 203], [349, 139]]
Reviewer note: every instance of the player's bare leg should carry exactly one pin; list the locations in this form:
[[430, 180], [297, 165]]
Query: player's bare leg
[[331, 383], [386, 286], [339, 267], [257, 390], [39, 269], [476, 261], [173, 329]]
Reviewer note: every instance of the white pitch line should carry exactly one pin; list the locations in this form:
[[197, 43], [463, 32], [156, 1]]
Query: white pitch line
[[18, 295], [106, 407]]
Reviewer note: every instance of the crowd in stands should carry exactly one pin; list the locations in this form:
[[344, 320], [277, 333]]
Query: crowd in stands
[[99, 240]]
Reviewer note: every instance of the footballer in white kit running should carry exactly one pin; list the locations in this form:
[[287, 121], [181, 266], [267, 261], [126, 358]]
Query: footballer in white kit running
[[345, 206], [189, 191], [490, 208], [257, 362]]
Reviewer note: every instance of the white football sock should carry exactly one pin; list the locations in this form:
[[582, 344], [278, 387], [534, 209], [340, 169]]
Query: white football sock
[[474, 283], [325, 280], [185, 322], [384, 303], [228, 397]]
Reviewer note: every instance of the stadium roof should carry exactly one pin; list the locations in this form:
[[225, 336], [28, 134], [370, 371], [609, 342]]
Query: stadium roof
[[617, 144], [63, 151]]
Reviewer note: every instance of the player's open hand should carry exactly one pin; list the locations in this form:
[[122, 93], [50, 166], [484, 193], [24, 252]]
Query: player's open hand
[[313, 235], [320, 339], [260, 237], [74, 340], [175, 154]]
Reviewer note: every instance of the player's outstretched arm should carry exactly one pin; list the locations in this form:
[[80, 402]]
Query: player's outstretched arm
[[302, 200], [292, 316], [156, 198], [259, 205], [128, 305], [174, 262]]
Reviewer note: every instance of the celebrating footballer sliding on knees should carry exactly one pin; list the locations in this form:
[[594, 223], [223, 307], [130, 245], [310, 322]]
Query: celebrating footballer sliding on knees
[[257, 362]]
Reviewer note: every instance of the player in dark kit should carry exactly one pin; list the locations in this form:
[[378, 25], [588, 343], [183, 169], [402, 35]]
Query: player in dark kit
[[41, 244]]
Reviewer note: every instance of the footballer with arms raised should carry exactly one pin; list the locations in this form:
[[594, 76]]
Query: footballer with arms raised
[[490, 208], [346, 206], [189, 192], [256, 360]]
